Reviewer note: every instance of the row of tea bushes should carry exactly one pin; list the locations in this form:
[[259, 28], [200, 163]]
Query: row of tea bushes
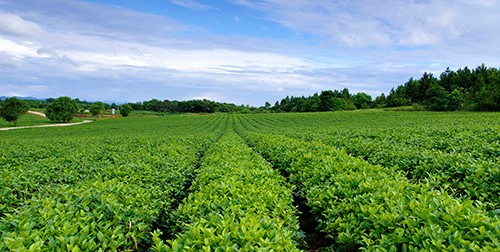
[[363, 206], [458, 173], [121, 197], [33, 159], [451, 151], [238, 203]]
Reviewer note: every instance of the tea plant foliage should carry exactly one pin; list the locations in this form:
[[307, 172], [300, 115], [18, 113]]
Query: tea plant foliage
[[374, 181]]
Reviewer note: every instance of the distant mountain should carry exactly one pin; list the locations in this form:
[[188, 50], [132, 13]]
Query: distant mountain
[[24, 98], [30, 98]]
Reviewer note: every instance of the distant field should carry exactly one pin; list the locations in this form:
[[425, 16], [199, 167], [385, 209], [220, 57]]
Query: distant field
[[374, 180], [33, 120], [25, 120]]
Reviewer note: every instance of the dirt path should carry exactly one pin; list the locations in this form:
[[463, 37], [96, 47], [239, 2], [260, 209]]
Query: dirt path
[[46, 125], [36, 113]]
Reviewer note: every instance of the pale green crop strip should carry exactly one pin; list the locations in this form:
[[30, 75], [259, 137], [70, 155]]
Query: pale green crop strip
[[113, 210], [451, 151], [238, 203], [96, 193], [458, 173], [371, 207], [374, 180]]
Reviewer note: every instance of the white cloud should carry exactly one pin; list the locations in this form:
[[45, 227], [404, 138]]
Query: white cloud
[[367, 46], [487, 3], [18, 49], [379, 23], [8, 89], [192, 4], [13, 24], [419, 37], [7, 60], [107, 59], [46, 52], [37, 87]]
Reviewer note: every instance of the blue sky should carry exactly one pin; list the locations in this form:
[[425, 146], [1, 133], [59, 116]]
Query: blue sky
[[239, 51]]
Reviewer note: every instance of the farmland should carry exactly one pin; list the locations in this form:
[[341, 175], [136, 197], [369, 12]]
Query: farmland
[[346, 181]]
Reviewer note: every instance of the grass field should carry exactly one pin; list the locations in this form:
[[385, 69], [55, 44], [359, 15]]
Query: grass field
[[25, 120], [340, 181], [31, 120]]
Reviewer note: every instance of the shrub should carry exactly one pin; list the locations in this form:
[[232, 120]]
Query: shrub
[[61, 109], [125, 109], [97, 108], [12, 108]]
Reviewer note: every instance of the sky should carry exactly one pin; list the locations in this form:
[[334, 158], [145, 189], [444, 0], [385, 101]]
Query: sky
[[237, 51]]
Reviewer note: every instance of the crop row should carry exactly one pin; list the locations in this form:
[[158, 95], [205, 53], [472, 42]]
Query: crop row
[[113, 184], [458, 173], [28, 165], [115, 209], [97, 187], [238, 202], [363, 206], [449, 158], [475, 134], [128, 127]]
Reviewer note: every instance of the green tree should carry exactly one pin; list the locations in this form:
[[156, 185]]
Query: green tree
[[411, 91], [437, 100], [313, 102], [426, 82], [125, 109], [396, 98], [267, 105], [61, 109], [12, 108], [326, 98], [455, 100], [342, 104], [489, 98], [97, 108], [362, 101], [380, 101]]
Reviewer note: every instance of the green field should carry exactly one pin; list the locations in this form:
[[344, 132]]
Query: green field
[[25, 120], [339, 181], [31, 120]]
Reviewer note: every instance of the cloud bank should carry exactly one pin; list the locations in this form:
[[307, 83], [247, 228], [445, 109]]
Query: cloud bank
[[97, 51]]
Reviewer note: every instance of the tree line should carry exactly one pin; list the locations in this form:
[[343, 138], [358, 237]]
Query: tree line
[[475, 90], [191, 106], [465, 89], [327, 100]]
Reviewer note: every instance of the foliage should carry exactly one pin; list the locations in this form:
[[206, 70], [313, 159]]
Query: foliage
[[26, 120], [362, 101], [450, 151], [107, 193], [191, 106], [364, 206], [372, 180], [125, 109], [327, 100], [238, 203], [461, 90], [61, 109], [97, 108], [35, 103], [12, 108], [464, 89]]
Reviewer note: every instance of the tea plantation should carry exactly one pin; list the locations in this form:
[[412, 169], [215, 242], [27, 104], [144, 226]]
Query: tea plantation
[[337, 181]]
